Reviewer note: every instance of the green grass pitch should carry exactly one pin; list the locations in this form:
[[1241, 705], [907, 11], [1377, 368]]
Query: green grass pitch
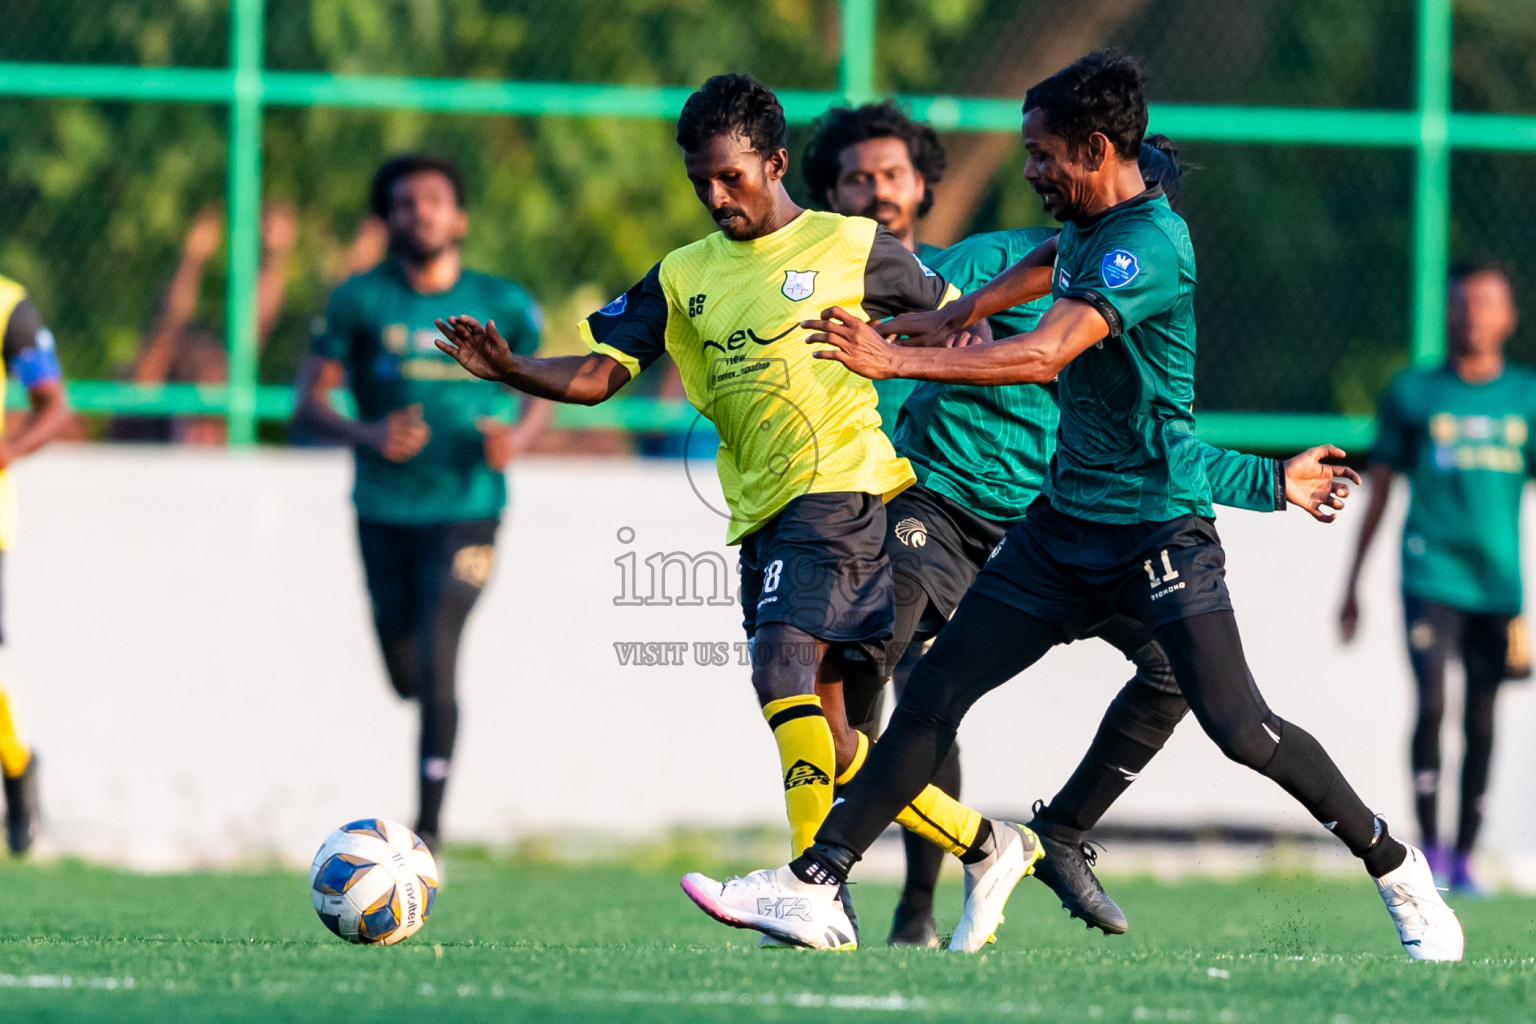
[[513, 940]]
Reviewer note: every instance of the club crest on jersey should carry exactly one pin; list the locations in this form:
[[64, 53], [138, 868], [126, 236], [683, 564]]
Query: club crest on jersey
[[1119, 268], [615, 307], [799, 284]]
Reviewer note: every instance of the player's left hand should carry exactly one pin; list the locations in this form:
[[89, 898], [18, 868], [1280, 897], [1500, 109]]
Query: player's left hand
[[480, 350], [1317, 486], [500, 442], [855, 344]]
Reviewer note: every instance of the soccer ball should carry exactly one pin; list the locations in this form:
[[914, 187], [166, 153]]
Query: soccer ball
[[373, 881]]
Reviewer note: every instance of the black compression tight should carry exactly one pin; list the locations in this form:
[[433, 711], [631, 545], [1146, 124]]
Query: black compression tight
[[1436, 632], [988, 643]]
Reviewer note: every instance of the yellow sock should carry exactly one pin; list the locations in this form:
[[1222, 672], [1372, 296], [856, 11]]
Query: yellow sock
[[857, 762], [14, 753], [808, 760], [941, 819], [934, 815]]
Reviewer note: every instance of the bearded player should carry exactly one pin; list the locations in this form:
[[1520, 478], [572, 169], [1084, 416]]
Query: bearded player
[[804, 465]]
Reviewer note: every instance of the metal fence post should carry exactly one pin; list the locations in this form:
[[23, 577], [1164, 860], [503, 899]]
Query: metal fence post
[[243, 204], [1432, 183], [856, 56]]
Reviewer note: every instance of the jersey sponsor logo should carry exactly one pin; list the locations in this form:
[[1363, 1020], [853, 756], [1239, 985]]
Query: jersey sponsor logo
[[912, 532], [739, 339], [803, 773], [1119, 268], [799, 284], [396, 338], [927, 270], [1063, 278], [616, 307], [695, 305]]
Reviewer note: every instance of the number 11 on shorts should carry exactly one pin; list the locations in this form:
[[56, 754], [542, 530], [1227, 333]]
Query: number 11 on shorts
[[1169, 572]]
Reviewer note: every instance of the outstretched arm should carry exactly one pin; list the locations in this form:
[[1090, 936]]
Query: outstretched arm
[[1025, 281], [1066, 330], [480, 349]]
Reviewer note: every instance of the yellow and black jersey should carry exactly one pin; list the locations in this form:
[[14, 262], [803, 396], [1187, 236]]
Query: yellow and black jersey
[[729, 314]]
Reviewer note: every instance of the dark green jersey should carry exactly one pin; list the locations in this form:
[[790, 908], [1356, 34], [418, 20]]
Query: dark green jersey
[[893, 392], [985, 447], [1127, 451], [1467, 451], [988, 448], [383, 332]]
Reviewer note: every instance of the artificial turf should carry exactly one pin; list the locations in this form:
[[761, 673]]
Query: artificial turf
[[519, 940]]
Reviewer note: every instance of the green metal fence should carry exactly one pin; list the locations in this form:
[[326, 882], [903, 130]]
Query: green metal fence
[[1430, 131]]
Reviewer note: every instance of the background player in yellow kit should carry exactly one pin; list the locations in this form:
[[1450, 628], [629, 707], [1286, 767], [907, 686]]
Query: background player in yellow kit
[[30, 358]]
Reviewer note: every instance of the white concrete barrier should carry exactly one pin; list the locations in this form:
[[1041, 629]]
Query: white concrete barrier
[[188, 644]]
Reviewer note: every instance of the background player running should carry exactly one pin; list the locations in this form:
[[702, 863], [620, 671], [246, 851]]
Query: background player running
[[431, 444], [29, 358], [1461, 434], [1123, 524], [803, 463]]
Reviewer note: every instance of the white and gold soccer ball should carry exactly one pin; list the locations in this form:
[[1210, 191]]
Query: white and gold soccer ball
[[373, 881]]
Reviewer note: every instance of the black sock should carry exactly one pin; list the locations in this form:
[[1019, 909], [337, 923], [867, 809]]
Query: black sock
[[982, 846], [824, 864], [1386, 854]]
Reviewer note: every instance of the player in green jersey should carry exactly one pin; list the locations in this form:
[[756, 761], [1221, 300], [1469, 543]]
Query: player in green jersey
[[430, 442], [1461, 433], [1123, 524], [874, 161]]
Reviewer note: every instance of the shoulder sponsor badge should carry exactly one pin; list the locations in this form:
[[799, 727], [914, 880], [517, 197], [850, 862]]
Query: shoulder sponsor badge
[[615, 307], [799, 284], [1119, 268], [927, 270]]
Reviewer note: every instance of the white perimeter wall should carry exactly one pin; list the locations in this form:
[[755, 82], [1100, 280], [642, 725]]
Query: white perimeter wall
[[188, 645]]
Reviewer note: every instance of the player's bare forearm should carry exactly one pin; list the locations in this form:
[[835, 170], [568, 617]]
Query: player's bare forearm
[[1025, 281], [1068, 328], [47, 415], [578, 380], [1380, 477]]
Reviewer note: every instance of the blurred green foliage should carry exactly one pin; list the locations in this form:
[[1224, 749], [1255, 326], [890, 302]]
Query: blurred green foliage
[[1304, 253]]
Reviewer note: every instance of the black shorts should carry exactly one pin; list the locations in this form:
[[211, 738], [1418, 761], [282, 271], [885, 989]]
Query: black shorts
[[1076, 573], [940, 544], [819, 565]]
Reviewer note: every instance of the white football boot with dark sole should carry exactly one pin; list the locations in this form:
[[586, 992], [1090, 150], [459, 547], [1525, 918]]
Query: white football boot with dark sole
[[1425, 923], [773, 901], [989, 882]]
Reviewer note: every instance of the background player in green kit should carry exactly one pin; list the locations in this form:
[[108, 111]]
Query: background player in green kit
[[1461, 434], [431, 443], [1123, 524], [874, 161]]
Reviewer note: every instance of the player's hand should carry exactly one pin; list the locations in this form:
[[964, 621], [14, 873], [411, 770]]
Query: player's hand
[[480, 350], [929, 329], [1317, 486], [401, 435], [854, 343], [500, 442], [203, 236], [1349, 617], [961, 340]]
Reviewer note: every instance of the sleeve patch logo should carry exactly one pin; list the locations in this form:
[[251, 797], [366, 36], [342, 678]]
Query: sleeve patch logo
[[799, 284], [927, 271], [616, 307], [1119, 268]]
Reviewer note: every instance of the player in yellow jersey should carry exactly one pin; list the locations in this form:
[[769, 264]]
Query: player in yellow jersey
[[803, 462], [29, 357]]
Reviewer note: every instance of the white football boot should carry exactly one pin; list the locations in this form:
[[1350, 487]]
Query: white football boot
[[1427, 926], [989, 882], [775, 902]]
